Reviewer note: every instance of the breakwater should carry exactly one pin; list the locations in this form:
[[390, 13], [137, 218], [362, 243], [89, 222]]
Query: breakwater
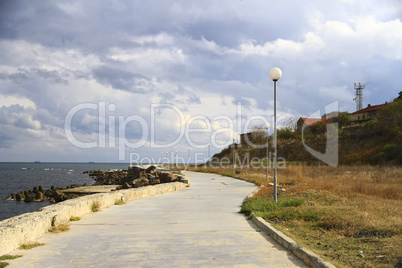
[[28, 227], [17, 177]]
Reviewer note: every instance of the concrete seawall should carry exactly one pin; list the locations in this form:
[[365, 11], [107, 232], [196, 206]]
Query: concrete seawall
[[28, 227]]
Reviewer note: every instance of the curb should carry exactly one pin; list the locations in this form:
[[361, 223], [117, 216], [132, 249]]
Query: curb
[[307, 256]]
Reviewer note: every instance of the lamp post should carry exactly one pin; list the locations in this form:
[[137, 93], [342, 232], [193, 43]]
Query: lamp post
[[209, 151], [266, 168], [175, 158], [188, 160], [275, 74], [233, 153]]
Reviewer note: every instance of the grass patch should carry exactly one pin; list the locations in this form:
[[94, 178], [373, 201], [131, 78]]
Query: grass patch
[[60, 228], [337, 212], [119, 202], [95, 207], [284, 209], [9, 257], [31, 245], [75, 218]]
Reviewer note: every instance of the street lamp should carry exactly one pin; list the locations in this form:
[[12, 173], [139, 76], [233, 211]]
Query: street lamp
[[209, 151], [188, 160], [275, 74], [266, 129], [233, 153], [175, 158]]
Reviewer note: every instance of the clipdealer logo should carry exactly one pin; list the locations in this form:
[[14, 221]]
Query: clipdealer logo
[[110, 136]]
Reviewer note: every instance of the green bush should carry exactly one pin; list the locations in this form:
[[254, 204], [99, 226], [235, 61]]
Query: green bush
[[379, 158], [392, 151], [372, 124], [285, 133]]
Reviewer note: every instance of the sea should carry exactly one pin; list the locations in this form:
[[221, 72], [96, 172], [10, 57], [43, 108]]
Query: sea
[[16, 177]]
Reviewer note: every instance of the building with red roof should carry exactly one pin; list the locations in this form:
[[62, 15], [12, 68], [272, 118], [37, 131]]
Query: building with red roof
[[304, 123], [366, 114]]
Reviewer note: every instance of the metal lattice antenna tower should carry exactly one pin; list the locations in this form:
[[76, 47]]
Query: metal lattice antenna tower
[[359, 86]]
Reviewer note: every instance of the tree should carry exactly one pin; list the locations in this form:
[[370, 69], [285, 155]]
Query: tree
[[259, 134], [291, 123], [343, 119], [285, 133], [318, 128], [390, 120], [399, 97]]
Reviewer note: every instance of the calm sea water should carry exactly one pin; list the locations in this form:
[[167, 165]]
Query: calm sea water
[[16, 177]]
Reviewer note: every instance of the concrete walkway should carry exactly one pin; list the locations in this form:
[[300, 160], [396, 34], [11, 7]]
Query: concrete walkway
[[196, 227]]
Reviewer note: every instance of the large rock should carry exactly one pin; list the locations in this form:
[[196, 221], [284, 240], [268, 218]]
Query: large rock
[[140, 182], [151, 170], [126, 186], [165, 177], [39, 197], [134, 171], [29, 197], [20, 197]]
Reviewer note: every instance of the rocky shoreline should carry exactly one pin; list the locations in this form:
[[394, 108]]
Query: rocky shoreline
[[134, 177]]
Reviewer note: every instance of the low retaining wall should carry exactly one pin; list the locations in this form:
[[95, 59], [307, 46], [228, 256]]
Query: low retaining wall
[[27, 227]]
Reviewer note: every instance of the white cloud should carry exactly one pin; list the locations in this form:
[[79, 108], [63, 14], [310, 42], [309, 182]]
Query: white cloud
[[22, 101]]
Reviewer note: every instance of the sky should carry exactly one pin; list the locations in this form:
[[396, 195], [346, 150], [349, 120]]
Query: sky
[[110, 81]]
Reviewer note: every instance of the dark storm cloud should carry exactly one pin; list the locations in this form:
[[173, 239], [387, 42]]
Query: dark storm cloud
[[14, 77], [121, 79], [53, 76], [23, 74]]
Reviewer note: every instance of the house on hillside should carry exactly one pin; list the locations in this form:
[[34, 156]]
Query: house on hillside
[[364, 115], [307, 123]]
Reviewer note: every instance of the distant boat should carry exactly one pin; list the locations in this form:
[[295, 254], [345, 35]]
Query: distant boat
[[37, 162]]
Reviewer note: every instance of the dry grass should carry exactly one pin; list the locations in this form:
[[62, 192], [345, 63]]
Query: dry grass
[[119, 202], [95, 207], [31, 245], [75, 218], [346, 209], [60, 228]]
